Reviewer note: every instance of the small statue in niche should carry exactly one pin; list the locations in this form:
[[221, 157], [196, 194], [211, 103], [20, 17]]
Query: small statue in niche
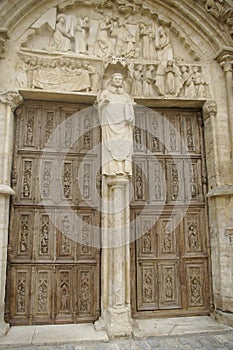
[[187, 89], [147, 37], [81, 35], [103, 46], [163, 46], [199, 82], [148, 81], [137, 80]]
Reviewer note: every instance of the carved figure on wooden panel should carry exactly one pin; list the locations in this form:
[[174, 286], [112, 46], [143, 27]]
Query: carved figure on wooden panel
[[61, 36], [117, 117]]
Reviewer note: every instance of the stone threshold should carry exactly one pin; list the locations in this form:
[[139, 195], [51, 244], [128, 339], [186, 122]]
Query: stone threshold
[[85, 333]]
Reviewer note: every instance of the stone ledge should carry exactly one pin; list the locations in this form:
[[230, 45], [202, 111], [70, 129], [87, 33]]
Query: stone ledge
[[221, 191], [224, 317]]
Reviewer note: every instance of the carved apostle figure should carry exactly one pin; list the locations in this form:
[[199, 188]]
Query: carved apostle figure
[[61, 36], [116, 117]]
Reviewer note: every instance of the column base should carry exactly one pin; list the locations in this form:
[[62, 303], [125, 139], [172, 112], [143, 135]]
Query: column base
[[224, 317], [116, 322], [4, 328]]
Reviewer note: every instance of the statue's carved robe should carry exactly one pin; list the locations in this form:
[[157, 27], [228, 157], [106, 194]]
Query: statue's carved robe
[[116, 117]]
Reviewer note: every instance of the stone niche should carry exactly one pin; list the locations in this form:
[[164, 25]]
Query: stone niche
[[69, 48]]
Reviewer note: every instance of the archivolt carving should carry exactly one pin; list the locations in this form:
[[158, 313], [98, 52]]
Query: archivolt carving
[[224, 15]]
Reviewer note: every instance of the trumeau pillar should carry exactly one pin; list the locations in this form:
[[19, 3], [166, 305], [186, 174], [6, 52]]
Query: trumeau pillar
[[116, 117], [8, 102], [221, 221]]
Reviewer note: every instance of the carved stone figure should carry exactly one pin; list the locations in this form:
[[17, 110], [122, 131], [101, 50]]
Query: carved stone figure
[[21, 76], [61, 36], [116, 117], [168, 78], [148, 81], [103, 46], [137, 76], [163, 46], [215, 7], [187, 89], [81, 35], [199, 82], [147, 36], [95, 78]]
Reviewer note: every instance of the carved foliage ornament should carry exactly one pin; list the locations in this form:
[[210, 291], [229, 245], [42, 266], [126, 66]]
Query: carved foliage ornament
[[11, 98]]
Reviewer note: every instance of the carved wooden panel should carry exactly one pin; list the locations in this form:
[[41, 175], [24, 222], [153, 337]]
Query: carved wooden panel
[[169, 286], [147, 291], [53, 253], [170, 257]]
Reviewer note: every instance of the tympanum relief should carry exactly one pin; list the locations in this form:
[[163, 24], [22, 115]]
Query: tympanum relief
[[69, 49]]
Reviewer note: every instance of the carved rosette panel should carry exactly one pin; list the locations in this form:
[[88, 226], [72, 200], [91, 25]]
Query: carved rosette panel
[[195, 285]]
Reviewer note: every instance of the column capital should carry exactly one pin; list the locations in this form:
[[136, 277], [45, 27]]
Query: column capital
[[6, 190], [209, 109], [11, 98], [225, 57]]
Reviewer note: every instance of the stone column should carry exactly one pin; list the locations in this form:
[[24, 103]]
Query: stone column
[[220, 200], [115, 300], [225, 58], [8, 102]]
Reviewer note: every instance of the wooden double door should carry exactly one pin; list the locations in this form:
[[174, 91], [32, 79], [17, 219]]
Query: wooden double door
[[170, 245], [53, 252], [54, 240]]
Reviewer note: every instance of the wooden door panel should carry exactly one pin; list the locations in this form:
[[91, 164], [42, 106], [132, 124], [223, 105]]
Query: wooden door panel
[[53, 252], [170, 256]]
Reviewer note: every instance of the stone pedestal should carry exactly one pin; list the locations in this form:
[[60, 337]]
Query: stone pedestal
[[115, 302]]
